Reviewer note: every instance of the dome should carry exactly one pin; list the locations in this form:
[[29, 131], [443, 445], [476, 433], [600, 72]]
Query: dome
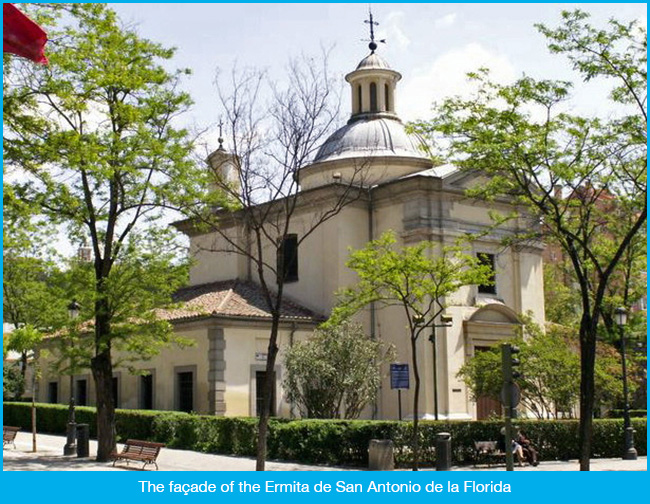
[[372, 62], [375, 136]]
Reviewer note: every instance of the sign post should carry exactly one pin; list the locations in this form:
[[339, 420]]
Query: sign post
[[399, 379]]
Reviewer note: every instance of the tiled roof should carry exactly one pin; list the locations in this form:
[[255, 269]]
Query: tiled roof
[[231, 298]]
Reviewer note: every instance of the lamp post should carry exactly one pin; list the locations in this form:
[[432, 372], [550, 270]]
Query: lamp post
[[445, 322], [70, 447], [630, 452]]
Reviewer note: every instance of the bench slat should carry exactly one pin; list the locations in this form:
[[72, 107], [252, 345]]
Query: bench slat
[[486, 450], [141, 451], [9, 435]]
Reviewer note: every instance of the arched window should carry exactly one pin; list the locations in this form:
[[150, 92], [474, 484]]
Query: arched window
[[373, 97], [359, 105], [387, 95]]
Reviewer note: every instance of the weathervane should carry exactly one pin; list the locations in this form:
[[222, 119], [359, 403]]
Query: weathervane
[[372, 23]]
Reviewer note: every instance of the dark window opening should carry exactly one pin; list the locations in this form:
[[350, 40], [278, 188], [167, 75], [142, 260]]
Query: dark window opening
[[488, 260], [359, 95], [373, 97], [53, 392], [81, 392], [146, 392], [288, 259], [387, 95], [260, 382], [116, 392], [185, 382]]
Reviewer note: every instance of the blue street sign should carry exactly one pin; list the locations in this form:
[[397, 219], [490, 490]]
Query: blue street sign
[[399, 376]]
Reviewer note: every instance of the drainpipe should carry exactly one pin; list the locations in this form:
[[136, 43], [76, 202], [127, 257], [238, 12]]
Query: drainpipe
[[292, 413], [373, 334], [371, 236]]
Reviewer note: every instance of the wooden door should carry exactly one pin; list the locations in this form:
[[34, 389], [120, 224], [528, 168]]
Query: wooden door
[[486, 407]]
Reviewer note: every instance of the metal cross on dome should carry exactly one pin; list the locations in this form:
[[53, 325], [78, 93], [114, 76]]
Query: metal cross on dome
[[372, 23], [220, 134]]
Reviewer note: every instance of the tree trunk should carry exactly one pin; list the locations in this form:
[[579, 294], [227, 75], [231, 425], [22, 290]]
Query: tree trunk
[[416, 406], [102, 369], [34, 409], [588, 362], [263, 425]]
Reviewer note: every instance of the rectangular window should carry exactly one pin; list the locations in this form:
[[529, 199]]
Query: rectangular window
[[146, 391], [260, 381], [53, 392], [81, 392], [488, 260], [288, 258], [185, 388], [373, 97], [359, 99]]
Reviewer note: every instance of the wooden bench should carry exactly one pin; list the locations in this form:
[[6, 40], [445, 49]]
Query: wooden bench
[[9, 435], [487, 452], [139, 451]]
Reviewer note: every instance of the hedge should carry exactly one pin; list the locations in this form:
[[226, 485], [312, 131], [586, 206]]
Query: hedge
[[635, 413], [332, 442]]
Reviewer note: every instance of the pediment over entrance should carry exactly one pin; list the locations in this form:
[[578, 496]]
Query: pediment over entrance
[[489, 325], [495, 312]]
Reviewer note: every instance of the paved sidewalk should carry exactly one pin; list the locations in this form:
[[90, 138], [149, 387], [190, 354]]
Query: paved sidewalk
[[49, 457], [50, 448]]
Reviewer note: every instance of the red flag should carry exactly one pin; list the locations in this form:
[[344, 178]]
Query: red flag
[[21, 36]]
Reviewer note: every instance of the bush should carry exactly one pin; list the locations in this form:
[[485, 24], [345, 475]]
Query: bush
[[50, 418], [332, 442]]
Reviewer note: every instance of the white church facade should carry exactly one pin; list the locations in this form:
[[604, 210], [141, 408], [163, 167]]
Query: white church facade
[[224, 311]]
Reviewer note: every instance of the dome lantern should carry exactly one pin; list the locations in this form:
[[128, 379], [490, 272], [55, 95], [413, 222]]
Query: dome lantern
[[373, 87]]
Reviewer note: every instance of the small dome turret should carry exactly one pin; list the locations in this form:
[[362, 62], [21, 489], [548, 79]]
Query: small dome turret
[[373, 87], [374, 136]]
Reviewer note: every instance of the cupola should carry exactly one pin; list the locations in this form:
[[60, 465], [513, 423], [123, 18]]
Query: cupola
[[373, 88]]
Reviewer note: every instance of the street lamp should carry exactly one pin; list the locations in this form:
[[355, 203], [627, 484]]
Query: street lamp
[[446, 321], [620, 315], [70, 447]]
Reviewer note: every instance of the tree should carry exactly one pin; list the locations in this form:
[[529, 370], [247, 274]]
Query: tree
[[550, 371], [26, 340], [273, 131], [336, 373], [92, 144], [562, 167], [27, 295], [561, 298], [418, 279]]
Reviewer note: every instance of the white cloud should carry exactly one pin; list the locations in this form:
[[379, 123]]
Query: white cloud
[[445, 21], [391, 30], [447, 76]]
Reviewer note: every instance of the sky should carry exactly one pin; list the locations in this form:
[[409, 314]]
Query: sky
[[433, 45]]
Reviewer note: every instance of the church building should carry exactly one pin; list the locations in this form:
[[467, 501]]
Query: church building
[[224, 311]]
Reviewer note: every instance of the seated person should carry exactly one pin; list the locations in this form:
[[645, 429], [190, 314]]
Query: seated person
[[517, 449], [529, 451]]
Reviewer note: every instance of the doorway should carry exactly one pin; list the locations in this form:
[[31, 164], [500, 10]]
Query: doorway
[[486, 406]]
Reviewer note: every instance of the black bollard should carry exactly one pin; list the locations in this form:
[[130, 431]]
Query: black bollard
[[443, 451], [83, 438]]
